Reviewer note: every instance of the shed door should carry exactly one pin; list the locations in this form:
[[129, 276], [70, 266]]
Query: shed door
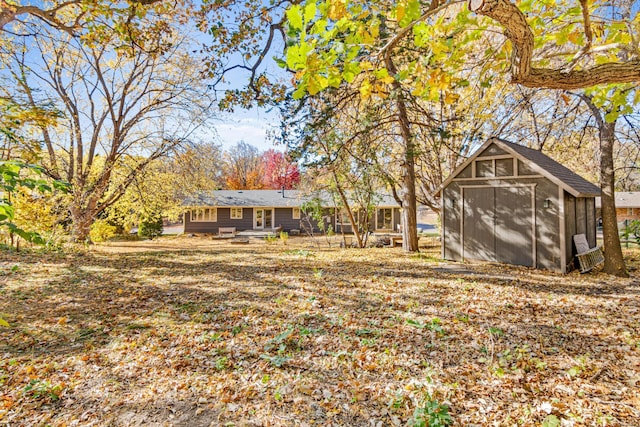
[[498, 224], [479, 241]]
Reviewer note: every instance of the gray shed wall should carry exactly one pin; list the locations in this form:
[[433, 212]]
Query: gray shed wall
[[547, 239], [580, 218]]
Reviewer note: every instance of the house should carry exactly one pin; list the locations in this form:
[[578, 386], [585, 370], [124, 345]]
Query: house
[[627, 206], [270, 209], [511, 204]]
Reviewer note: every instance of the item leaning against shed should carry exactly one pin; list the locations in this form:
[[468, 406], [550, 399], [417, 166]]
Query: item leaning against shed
[[587, 257]]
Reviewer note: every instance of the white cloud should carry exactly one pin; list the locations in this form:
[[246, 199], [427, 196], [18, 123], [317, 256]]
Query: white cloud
[[248, 126]]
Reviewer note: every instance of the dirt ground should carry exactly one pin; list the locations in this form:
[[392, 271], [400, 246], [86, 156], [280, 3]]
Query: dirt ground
[[203, 332]]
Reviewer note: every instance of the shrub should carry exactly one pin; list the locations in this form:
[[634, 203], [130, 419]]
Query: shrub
[[150, 228], [102, 231]]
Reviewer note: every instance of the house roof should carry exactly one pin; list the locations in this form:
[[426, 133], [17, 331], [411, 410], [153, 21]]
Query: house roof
[[267, 198], [570, 181], [624, 199]]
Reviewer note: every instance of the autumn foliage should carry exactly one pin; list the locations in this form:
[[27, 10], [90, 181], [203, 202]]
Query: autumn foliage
[[246, 168], [279, 171]]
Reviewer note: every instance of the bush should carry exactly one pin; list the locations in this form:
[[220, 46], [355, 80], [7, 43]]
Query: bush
[[150, 228], [102, 231]]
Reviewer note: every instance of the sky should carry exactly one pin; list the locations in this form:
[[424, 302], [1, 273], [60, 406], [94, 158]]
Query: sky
[[249, 126]]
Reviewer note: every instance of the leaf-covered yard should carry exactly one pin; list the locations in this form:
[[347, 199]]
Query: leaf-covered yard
[[197, 332]]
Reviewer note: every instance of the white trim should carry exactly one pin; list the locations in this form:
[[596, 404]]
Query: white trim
[[208, 214], [235, 210], [462, 221], [264, 215], [514, 153], [489, 178], [534, 242], [442, 224], [562, 231], [495, 157], [378, 209]]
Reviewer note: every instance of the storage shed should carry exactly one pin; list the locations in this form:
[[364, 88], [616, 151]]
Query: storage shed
[[511, 204]]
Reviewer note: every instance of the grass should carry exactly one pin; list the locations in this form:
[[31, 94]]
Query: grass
[[190, 331]]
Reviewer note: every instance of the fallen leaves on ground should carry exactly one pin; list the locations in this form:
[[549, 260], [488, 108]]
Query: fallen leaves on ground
[[197, 332]]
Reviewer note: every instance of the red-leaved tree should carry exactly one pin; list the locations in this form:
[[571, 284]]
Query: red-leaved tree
[[279, 171]]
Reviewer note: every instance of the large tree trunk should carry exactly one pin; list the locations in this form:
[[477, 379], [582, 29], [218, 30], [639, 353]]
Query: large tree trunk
[[82, 217], [409, 205], [613, 259], [408, 191]]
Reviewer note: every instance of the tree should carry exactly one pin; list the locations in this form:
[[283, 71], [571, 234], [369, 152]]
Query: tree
[[279, 171], [562, 45], [13, 180], [606, 117], [340, 140], [117, 103], [71, 15], [243, 167], [160, 189]]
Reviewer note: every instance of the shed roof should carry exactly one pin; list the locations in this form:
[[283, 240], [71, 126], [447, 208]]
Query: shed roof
[[624, 199], [570, 181], [267, 198]]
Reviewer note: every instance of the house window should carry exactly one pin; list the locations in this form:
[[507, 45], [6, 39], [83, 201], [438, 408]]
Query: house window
[[236, 213], [342, 218], [384, 219], [296, 213], [204, 215], [630, 211]]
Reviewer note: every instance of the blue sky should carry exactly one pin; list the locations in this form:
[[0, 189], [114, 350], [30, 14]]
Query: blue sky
[[249, 126]]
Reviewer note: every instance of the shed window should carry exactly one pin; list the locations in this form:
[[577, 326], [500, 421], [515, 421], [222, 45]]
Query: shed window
[[295, 214], [484, 168], [384, 219], [204, 215], [466, 173], [236, 213], [630, 211], [524, 169], [504, 167]]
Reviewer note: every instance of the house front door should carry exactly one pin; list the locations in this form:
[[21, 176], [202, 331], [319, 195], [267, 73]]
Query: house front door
[[263, 219]]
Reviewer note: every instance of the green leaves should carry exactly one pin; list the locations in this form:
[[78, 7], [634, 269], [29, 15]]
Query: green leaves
[[10, 180], [407, 12], [294, 17]]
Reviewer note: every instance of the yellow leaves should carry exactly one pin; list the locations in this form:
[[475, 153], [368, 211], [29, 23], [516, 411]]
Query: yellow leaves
[[365, 89], [573, 37], [451, 97], [439, 79], [401, 9], [4, 323], [337, 9]]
